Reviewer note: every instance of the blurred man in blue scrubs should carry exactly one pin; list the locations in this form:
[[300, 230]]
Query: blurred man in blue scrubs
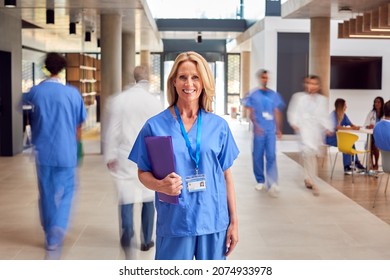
[[57, 114], [265, 111]]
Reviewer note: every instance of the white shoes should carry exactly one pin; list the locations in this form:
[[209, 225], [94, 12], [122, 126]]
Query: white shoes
[[260, 187], [273, 191]]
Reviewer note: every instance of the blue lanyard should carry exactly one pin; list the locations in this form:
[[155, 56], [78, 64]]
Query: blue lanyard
[[184, 132]]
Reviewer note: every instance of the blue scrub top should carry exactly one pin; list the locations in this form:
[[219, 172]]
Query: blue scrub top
[[344, 122], [197, 213], [57, 112], [382, 135], [264, 102]]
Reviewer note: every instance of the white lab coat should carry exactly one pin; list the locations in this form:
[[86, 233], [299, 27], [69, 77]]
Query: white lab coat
[[371, 118], [126, 113], [309, 112]]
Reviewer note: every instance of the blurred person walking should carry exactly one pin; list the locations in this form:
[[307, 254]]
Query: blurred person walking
[[127, 112], [308, 115], [57, 114], [265, 111]]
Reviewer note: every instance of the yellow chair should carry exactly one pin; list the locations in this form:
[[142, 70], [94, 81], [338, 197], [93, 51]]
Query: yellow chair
[[345, 142], [385, 155]]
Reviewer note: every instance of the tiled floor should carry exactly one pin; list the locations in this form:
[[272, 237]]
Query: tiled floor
[[296, 225]]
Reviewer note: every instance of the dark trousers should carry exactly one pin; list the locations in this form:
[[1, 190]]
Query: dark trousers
[[127, 223]]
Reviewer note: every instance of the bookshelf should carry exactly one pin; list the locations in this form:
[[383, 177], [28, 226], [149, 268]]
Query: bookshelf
[[83, 72]]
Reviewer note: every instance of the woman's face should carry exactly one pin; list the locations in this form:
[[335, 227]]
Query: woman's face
[[188, 82], [377, 104]]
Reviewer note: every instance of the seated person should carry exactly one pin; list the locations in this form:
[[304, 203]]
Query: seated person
[[342, 122], [373, 117], [382, 130]]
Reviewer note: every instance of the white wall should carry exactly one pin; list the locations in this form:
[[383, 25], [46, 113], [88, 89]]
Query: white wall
[[359, 102]]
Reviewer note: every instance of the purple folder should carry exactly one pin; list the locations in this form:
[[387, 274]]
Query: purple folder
[[161, 157]]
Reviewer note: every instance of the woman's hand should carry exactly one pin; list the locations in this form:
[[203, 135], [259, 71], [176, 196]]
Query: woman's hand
[[171, 184], [232, 231], [355, 127], [231, 238]]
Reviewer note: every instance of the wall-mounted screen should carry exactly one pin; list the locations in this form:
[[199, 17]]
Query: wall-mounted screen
[[356, 72]]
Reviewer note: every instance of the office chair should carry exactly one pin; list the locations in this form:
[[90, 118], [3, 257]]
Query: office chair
[[345, 142], [386, 169]]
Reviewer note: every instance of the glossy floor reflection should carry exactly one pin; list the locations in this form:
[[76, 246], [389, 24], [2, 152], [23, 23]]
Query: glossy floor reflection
[[296, 225]]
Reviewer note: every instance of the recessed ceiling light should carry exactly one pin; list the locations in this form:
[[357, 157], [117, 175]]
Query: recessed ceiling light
[[87, 36], [10, 3], [345, 10], [50, 16], [72, 28]]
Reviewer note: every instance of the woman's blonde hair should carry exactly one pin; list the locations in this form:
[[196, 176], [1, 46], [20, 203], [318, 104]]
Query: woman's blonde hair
[[208, 91]]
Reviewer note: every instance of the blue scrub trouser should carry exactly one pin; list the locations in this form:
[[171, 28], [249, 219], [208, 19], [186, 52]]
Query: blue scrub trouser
[[56, 187], [265, 144], [332, 141], [201, 247], [127, 221]]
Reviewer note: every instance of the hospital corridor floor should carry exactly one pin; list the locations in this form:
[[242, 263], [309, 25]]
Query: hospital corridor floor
[[294, 226]]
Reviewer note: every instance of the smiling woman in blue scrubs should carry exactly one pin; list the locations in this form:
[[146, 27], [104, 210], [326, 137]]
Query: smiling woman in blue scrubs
[[203, 225]]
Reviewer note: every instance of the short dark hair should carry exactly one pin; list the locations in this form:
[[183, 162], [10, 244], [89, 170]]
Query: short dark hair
[[54, 63], [261, 72], [314, 77], [386, 109]]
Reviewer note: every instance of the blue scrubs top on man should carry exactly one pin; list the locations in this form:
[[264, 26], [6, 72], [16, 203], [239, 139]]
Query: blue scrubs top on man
[[382, 135], [57, 111]]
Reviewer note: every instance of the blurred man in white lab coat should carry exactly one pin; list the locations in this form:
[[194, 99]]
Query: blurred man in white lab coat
[[308, 115], [126, 114]]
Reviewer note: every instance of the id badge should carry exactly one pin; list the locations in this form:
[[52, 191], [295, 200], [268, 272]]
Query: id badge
[[196, 183], [267, 116]]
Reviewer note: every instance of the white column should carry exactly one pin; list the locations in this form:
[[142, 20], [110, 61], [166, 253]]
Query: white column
[[319, 62], [245, 79], [111, 62], [128, 59], [145, 58]]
